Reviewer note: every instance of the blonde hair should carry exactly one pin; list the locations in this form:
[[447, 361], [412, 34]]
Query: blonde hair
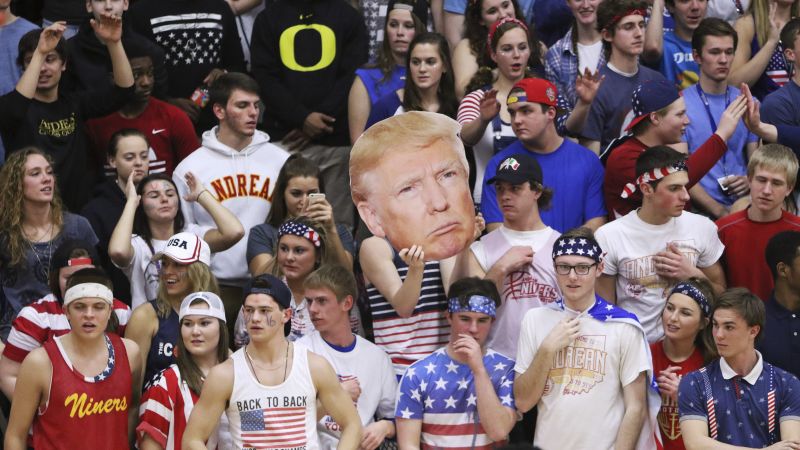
[[12, 176], [777, 158], [409, 131], [759, 11], [200, 278]]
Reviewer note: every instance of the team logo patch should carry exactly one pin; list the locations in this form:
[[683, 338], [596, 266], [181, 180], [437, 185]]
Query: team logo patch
[[550, 93], [509, 163]]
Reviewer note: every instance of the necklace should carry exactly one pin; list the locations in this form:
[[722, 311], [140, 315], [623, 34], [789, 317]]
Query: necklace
[[285, 363], [36, 253]]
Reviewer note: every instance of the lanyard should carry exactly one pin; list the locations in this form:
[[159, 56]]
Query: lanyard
[[704, 99]]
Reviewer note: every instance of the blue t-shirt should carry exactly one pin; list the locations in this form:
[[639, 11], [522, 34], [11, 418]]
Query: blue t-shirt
[[384, 108], [741, 407], [782, 107], [376, 86], [573, 172], [611, 107], [9, 74], [734, 161], [677, 63]]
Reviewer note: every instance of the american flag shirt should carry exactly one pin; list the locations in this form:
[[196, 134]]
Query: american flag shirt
[[441, 392], [775, 75]]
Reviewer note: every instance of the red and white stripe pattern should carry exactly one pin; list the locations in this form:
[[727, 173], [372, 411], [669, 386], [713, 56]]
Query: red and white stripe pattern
[[710, 409], [771, 411], [652, 175], [411, 339], [274, 427], [470, 107], [43, 320], [165, 409]]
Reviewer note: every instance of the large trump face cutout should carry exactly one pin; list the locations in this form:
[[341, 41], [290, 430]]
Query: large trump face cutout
[[409, 181]]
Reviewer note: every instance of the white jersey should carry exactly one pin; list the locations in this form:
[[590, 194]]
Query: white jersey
[[373, 369], [532, 287], [630, 245], [277, 417], [243, 181], [143, 271], [584, 384]]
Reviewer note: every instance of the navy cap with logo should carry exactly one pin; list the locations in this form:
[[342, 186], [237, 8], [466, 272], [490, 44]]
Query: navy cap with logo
[[649, 97], [270, 285], [517, 169]]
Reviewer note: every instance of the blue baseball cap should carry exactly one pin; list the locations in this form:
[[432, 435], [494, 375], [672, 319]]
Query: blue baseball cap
[[649, 97]]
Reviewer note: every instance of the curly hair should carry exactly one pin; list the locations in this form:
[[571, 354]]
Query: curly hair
[[486, 76], [476, 33], [12, 175]]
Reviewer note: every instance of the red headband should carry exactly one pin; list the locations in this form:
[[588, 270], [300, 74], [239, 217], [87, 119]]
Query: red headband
[[497, 24], [630, 12]]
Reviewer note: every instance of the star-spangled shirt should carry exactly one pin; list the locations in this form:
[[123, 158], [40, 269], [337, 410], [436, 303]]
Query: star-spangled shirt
[[441, 392]]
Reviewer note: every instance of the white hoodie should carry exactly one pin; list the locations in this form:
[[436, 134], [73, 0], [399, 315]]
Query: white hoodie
[[243, 181]]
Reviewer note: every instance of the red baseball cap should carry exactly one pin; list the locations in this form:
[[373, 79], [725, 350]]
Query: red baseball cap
[[537, 90]]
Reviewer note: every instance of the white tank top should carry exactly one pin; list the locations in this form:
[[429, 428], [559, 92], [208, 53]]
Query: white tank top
[[280, 417]]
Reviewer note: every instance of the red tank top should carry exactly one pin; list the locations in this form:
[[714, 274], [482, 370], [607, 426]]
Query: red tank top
[[82, 414]]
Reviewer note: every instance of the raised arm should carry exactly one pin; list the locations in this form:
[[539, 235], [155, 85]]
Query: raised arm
[[475, 113], [47, 43], [747, 68], [229, 230], [654, 34], [109, 30], [376, 261], [120, 249], [336, 402], [321, 211], [217, 390]]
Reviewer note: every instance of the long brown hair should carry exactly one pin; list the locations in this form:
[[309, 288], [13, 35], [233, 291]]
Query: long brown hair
[[190, 372], [12, 176], [704, 340], [476, 33], [445, 92]]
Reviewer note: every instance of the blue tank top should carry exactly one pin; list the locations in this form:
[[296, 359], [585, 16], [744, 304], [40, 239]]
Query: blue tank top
[[162, 347], [376, 86]]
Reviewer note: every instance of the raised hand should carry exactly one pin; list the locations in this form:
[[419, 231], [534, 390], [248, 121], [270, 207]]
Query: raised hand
[[587, 85], [489, 106], [108, 28], [49, 38]]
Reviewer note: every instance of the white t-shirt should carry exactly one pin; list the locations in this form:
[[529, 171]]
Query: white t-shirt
[[373, 369], [630, 245], [143, 271], [584, 384], [589, 56], [535, 239]]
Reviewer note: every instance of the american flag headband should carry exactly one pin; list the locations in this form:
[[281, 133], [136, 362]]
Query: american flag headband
[[568, 246], [695, 294], [476, 303], [653, 175], [300, 229]]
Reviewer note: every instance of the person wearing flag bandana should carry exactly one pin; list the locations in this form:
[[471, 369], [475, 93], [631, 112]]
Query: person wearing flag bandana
[[739, 400], [583, 360], [653, 248], [462, 395]]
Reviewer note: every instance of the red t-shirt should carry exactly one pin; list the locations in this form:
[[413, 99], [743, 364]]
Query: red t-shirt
[[621, 170], [168, 129], [745, 243], [83, 414], [668, 417]]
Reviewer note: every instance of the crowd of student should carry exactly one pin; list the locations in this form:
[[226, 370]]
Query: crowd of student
[[416, 224]]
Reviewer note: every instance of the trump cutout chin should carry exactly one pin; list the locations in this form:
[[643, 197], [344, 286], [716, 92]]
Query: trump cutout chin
[[410, 183]]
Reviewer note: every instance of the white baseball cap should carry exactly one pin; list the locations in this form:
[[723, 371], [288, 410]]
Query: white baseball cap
[[186, 248], [215, 306]]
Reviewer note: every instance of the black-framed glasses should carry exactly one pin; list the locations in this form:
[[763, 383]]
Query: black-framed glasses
[[580, 269]]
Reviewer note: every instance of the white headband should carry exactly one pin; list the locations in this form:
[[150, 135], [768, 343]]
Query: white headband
[[88, 290]]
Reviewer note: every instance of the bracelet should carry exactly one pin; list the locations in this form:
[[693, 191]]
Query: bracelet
[[205, 191]]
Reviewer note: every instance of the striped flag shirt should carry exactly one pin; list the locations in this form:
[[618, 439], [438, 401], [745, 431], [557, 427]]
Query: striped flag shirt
[[441, 393]]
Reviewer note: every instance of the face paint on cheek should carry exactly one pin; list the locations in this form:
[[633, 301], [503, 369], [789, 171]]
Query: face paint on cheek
[[271, 322]]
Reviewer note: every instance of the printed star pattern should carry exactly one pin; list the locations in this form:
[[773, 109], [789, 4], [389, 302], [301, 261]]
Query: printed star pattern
[[194, 38], [439, 390]]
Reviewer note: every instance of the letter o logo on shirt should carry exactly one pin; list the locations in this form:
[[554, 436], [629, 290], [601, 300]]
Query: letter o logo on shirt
[[286, 43]]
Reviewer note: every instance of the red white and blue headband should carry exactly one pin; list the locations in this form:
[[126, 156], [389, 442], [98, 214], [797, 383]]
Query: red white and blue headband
[[653, 175], [300, 229], [498, 24], [582, 246], [476, 303], [689, 290]]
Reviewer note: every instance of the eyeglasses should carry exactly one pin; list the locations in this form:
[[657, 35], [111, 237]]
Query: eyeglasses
[[580, 269]]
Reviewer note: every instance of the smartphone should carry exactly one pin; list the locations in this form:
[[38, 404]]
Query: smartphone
[[723, 184], [313, 196]]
